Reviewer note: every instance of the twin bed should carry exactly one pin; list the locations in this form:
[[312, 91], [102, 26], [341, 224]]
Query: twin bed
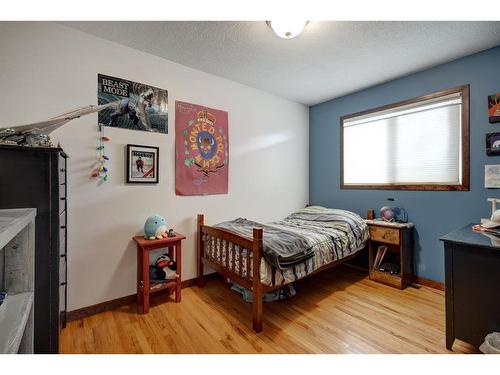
[[264, 257]]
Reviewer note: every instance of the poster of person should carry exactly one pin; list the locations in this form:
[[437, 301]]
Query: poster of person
[[142, 164], [137, 106], [201, 150]]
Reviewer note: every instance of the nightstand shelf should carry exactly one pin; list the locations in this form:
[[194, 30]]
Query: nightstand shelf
[[144, 287], [398, 239], [158, 286]]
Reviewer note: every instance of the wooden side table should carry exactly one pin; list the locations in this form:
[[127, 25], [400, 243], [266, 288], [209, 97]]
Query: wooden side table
[[399, 240], [144, 247]]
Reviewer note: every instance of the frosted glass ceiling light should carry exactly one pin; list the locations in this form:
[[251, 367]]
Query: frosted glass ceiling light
[[287, 29]]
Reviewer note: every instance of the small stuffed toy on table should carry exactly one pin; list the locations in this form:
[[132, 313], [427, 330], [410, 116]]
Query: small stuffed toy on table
[[155, 228], [167, 266]]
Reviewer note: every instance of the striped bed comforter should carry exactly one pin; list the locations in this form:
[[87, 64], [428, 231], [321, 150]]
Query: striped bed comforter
[[304, 241]]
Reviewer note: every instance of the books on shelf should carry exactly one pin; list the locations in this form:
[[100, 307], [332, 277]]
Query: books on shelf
[[381, 250]]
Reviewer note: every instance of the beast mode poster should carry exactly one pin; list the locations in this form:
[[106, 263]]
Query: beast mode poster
[[136, 106]]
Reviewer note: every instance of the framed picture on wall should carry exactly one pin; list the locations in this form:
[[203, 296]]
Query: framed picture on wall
[[493, 144], [494, 108], [142, 164], [492, 176]]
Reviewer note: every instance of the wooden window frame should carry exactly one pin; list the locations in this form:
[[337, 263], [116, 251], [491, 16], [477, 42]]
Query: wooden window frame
[[464, 186]]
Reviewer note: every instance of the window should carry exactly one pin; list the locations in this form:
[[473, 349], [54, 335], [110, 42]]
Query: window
[[418, 144]]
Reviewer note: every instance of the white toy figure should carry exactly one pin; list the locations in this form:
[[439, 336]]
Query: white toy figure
[[494, 220]]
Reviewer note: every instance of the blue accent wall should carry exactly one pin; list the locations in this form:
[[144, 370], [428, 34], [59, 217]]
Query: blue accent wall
[[434, 213]]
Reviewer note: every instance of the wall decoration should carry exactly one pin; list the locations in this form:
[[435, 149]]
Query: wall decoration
[[492, 176], [142, 164], [101, 170], [136, 106], [493, 144], [201, 150], [494, 108]]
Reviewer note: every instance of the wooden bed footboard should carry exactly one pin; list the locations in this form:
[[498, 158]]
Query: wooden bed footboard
[[234, 257], [238, 258]]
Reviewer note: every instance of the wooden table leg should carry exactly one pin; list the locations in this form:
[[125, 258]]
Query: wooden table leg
[[170, 250], [145, 281], [139, 275], [179, 268]]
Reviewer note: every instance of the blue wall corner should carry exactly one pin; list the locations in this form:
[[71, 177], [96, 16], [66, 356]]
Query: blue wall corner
[[434, 213]]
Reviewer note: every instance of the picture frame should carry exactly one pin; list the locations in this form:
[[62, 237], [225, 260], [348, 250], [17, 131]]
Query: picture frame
[[142, 165], [492, 176], [494, 108], [492, 144]]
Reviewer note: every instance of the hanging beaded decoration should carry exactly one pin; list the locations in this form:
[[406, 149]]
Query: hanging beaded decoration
[[101, 171]]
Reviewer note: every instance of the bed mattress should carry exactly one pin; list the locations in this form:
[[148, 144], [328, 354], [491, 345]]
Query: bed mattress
[[300, 244]]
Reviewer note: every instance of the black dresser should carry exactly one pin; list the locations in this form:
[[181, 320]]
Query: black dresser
[[472, 275], [36, 177]]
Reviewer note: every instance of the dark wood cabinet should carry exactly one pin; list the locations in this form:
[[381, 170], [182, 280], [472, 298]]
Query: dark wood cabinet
[[36, 177], [472, 276]]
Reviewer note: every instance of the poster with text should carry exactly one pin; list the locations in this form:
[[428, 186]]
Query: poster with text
[[201, 150], [136, 106]]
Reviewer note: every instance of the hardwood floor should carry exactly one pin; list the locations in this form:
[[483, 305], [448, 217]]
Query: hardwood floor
[[336, 311]]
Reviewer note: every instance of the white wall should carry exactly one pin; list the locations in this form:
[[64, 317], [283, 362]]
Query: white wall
[[47, 68]]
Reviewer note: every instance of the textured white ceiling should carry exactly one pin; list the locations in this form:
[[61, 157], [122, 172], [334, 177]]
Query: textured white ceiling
[[328, 60]]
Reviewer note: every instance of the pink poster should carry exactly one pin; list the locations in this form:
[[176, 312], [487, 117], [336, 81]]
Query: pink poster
[[201, 150]]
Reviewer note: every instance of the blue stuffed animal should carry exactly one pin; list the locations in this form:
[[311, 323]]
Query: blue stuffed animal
[[155, 227]]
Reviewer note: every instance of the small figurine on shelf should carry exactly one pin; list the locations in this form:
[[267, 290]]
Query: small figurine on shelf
[[155, 228], [167, 266], [394, 214], [171, 233]]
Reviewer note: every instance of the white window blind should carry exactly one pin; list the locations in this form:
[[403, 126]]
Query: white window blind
[[415, 144]]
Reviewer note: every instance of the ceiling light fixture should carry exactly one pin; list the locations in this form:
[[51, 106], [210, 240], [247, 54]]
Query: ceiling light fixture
[[287, 29]]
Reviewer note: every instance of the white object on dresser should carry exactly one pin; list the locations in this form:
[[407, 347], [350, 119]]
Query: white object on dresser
[[490, 223]]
